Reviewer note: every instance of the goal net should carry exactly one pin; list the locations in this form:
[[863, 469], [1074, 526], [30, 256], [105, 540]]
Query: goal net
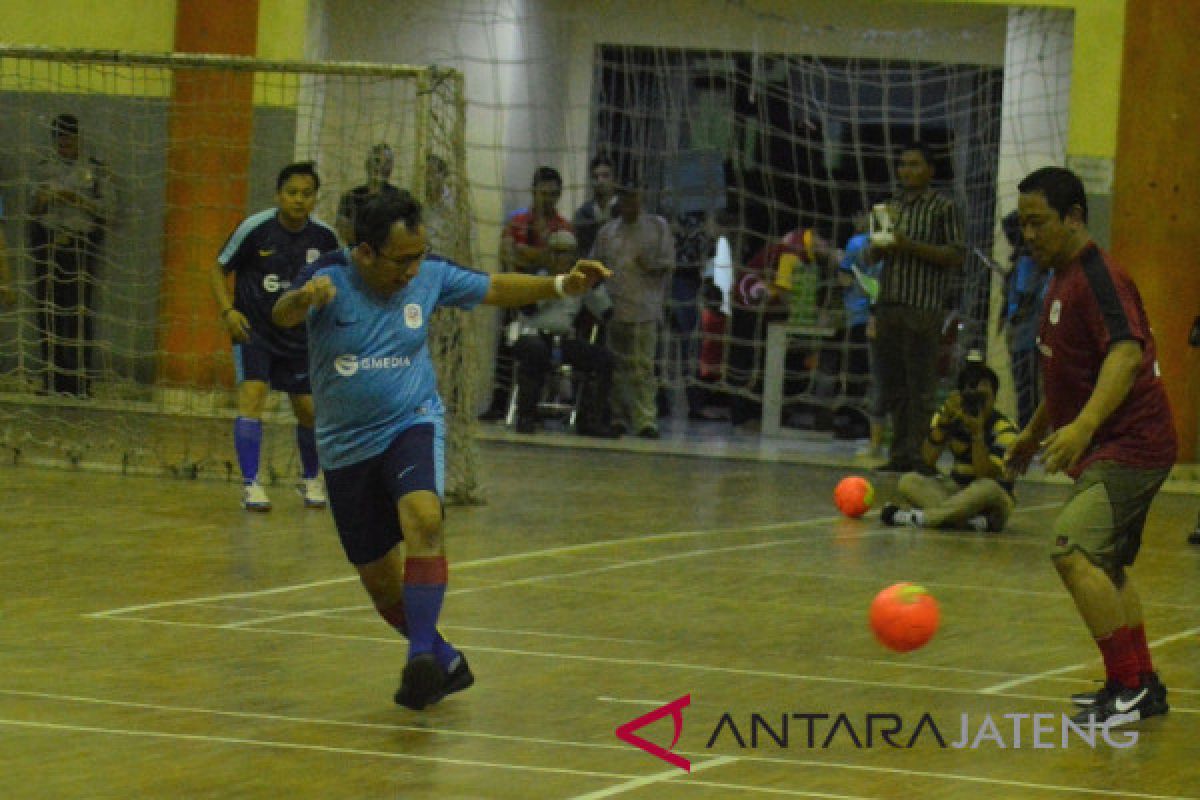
[[114, 357], [746, 121]]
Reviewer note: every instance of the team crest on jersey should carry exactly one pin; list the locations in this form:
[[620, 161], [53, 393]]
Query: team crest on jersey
[[312, 255], [412, 315], [1055, 311]]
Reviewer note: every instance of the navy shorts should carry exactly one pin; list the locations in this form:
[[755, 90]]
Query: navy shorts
[[363, 496], [254, 362]]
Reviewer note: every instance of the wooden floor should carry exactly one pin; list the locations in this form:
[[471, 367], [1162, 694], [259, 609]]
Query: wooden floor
[[158, 642]]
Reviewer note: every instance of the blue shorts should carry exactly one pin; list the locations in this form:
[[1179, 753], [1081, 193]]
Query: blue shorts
[[363, 496], [253, 362]]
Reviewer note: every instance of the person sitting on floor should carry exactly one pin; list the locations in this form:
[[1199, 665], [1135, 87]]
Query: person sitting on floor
[[977, 494]]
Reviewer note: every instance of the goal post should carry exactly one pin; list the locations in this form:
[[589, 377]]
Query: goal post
[[123, 363]]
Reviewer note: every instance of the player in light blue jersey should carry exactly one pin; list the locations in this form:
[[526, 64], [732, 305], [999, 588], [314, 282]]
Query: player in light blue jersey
[[379, 418]]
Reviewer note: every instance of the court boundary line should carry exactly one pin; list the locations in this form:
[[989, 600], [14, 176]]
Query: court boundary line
[[548, 552], [618, 660], [798, 762], [1159, 642]]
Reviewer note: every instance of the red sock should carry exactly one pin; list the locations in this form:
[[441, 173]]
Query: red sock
[[394, 616], [1137, 636], [1120, 658]]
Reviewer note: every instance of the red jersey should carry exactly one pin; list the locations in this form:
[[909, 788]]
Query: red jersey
[[521, 228], [1092, 303]]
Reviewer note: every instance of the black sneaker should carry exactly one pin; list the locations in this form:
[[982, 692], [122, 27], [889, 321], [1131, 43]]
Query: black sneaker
[[1149, 679], [648, 432], [894, 466], [888, 514], [457, 679], [1123, 707], [1194, 536], [423, 682], [1098, 697]]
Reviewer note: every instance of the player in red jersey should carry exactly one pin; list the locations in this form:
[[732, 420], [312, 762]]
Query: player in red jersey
[[1105, 421]]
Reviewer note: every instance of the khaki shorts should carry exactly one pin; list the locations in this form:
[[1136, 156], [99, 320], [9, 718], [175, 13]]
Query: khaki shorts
[[1105, 515]]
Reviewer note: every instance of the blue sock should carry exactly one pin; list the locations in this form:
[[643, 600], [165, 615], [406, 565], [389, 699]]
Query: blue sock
[[443, 651], [306, 441], [424, 590], [247, 441]]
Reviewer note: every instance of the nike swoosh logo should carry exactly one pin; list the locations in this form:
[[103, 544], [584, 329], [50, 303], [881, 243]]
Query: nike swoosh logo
[[1125, 708], [265, 253], [400, 475]]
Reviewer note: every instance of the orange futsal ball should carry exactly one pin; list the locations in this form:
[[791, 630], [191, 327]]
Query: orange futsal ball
[[904, 617], [853, 495]]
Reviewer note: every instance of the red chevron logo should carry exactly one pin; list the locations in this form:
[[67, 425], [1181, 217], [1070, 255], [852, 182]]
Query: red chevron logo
[[675, 709]]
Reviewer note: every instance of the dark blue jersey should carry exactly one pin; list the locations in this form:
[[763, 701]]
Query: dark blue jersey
[[266, 257]]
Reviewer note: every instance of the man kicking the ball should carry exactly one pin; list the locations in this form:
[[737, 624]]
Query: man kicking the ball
[[380, 422]]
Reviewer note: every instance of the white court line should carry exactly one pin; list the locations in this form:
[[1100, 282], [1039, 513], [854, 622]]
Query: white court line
[[270, 743], [547, 552], [621, 661], [1006, 685], [834, 765], [335, 723], [660, 777]]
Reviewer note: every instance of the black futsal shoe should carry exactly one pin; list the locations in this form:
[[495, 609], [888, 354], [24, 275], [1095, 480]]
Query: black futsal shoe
[[423, 682]]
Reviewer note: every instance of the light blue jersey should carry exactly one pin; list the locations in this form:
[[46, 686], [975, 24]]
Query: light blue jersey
[[369, 362]]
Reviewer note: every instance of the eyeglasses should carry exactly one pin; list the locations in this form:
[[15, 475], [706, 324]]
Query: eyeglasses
[[408, 260]]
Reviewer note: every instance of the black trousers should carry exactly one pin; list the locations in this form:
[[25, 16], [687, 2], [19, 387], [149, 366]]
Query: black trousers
[[65, 290], [535, 359]]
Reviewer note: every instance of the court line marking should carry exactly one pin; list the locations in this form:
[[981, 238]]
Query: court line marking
[[547, 552], [920, 773], [523, 556], [345, 611], [662, 777], [622, 661], [835, 765], [1010, 684], [271, 743]]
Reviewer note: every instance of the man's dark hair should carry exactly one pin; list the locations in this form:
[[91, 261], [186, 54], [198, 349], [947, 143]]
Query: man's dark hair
[[599, 161], [374, 221], [925, 150], [974, 372], [299, 168], [544, 174], [1062, 189], [65, 125]]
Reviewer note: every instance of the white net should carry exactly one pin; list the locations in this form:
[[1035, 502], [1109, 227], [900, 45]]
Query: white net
[[751, 120], [113, 354]]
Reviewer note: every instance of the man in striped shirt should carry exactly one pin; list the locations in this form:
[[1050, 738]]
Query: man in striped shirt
[[977, 494], [925, 252]]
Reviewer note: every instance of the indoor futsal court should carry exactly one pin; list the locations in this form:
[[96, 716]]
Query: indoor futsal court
[[177, 647]]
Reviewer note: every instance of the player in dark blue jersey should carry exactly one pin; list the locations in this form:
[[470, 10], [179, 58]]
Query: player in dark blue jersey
[[380, 427], [265, 253]]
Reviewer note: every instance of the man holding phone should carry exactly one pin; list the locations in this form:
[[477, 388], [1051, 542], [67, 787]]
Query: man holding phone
[[976, 494]]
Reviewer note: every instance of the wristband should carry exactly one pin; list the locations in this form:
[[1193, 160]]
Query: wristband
[[560, 285]]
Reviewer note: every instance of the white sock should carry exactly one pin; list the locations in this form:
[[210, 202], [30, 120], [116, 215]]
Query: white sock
[[978, 523]]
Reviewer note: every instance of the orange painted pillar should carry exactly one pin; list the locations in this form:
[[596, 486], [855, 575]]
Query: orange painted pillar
[[208, 161], [1156, 189]]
